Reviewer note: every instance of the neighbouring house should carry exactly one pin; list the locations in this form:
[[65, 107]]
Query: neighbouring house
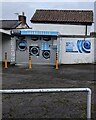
[[62, 32], [5, 27], [7, 41]]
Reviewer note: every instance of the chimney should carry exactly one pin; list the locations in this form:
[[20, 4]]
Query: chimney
[[23, 13], [22, 18]]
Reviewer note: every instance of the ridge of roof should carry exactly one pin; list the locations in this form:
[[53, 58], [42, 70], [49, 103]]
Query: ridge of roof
[[78, 10]]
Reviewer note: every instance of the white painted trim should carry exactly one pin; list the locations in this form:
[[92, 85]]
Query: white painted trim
[[5, 31]]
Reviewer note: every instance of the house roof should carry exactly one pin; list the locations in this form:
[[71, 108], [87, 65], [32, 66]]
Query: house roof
[[93, 34], [8, 24], [63, 16]]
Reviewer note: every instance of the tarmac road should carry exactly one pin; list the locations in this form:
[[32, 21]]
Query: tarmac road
[[48, 105]]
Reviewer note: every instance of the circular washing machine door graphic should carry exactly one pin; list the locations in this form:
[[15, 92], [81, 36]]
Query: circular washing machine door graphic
[[46, 54], [34, 50], [22, 45]]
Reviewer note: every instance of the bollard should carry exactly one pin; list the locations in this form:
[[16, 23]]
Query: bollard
[[6, 60], [30, 62], [57, 61]]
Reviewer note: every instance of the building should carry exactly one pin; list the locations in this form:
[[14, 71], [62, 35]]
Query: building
[[37, 44], [5, 27], [5, 33], [74, 28], [62, 32]]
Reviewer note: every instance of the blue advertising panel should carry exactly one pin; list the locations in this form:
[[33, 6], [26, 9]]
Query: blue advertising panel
[[84, 46], [45, 46], [81, 46], [30, 32]]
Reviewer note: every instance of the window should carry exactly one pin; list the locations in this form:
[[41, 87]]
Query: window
[[46, 38], [34, 38]]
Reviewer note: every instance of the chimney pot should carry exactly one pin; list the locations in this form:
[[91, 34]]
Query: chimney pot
[[23, 13], [22, 18]]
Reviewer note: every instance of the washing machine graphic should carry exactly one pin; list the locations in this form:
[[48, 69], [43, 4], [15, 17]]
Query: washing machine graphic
[[21, 45], [34, 50], [46, 54]]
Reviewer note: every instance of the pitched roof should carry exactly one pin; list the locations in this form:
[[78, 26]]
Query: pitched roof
[[63, 16], [93, 34], [8, 24], [11, 24]]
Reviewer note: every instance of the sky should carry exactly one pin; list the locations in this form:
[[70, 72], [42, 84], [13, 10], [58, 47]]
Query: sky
[[10, 7]]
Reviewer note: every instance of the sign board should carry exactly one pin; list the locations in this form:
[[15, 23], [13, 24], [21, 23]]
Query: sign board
[[80, 46], [46, 33]]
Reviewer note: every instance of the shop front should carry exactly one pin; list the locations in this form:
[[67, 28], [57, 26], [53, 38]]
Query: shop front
[[42, 46]]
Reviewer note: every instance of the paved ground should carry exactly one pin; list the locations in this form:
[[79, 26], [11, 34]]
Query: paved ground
[[48, 105]]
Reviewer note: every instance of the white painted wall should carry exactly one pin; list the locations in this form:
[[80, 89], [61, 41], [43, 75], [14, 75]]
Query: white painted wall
[[62, 29], [13, 49], [6, 46], [75, 58]]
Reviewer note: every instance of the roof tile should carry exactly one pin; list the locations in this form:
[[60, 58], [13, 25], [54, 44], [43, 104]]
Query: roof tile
[[8, 24], [63, 16]]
